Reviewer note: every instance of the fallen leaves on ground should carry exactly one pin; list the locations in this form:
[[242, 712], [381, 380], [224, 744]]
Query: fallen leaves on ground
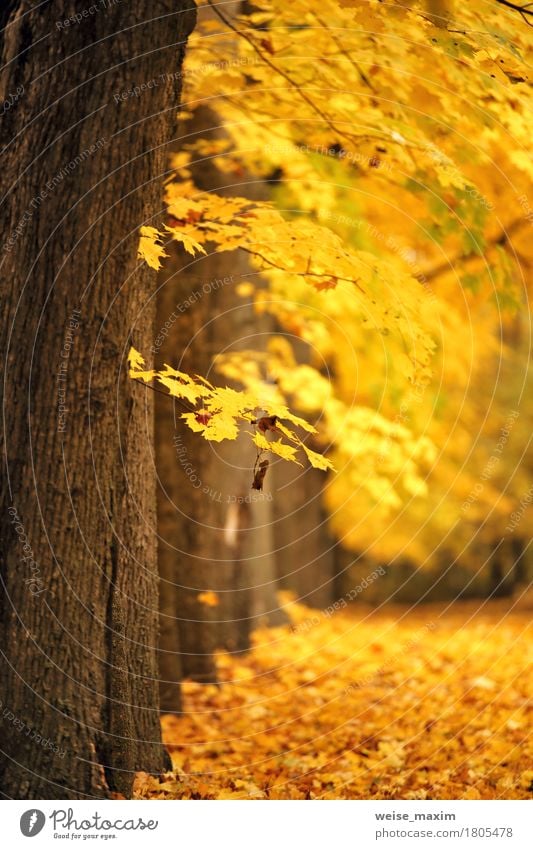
[[423, 703]]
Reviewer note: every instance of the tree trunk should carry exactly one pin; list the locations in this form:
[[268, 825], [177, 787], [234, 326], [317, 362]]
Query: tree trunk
[[186, 504], [82, 157], [305, 552], [213, 534]]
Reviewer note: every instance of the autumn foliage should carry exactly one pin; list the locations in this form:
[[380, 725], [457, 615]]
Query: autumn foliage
[[395, 242]]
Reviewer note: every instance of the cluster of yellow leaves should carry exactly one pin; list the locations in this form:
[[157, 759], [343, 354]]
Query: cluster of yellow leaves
[[373, 455], [405, 133], [478, 471], [404, 98], [220, 411], [384, 297], [426, 704]]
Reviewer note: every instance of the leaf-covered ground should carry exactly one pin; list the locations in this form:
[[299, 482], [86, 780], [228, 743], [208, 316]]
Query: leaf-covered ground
[[426, 703]]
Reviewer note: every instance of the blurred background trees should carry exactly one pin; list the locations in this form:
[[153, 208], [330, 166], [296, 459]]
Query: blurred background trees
[[413, 152]]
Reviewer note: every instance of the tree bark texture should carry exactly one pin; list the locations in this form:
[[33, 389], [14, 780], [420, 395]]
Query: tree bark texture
[[92, 99]]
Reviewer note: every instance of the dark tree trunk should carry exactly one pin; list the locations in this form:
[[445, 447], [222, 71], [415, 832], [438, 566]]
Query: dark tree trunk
[[502, 570], [304, 548], [518, 550], [185, 511], [82, 158], [200, 484], [213, 536], [214, 532]]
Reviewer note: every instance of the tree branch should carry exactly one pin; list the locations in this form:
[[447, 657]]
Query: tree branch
[[523, 10], [299, 91]]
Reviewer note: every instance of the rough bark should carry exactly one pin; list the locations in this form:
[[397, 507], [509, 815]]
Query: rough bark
[[82, 159]]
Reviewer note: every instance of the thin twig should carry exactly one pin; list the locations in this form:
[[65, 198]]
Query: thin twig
[[523, 11], [345, 53], [279, 71], [168, 395], [303, 273]]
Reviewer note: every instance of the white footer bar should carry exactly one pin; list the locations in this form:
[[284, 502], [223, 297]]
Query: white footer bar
[[269, 824]]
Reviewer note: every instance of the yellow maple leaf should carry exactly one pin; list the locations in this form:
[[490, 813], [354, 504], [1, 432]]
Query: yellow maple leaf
[[136, 372], [189, 243], [277, 447], [135, 360], [150, 248], [318, 461], [216, 429]]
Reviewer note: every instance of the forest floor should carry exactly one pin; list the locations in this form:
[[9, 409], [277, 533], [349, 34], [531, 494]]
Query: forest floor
[[421, 703]]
